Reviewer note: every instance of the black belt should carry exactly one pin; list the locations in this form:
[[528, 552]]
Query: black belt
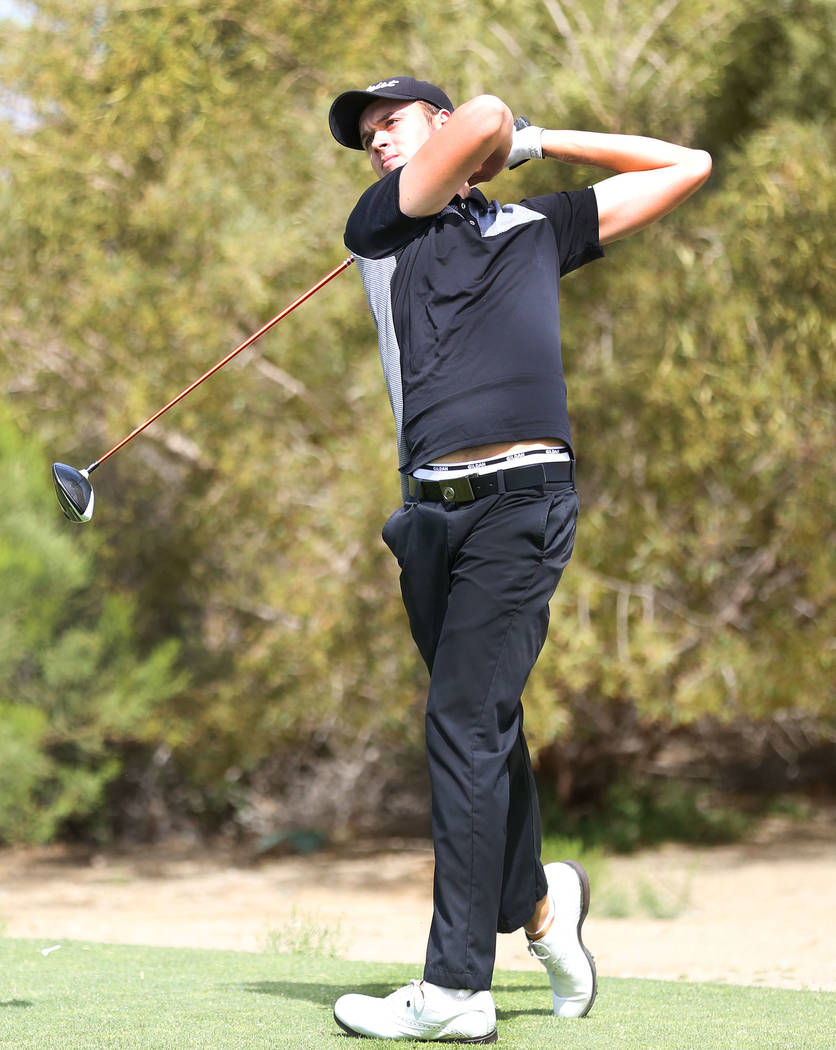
[[473, 486]]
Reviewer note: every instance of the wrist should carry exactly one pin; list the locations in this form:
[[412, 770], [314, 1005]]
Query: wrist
[[569, 147]]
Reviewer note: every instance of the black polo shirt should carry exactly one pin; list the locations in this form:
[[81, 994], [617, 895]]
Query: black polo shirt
[[466, 304]]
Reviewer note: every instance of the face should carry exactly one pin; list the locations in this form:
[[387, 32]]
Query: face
[[392, 132]]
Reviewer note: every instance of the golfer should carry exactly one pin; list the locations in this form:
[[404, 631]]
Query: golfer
[[465, 295]]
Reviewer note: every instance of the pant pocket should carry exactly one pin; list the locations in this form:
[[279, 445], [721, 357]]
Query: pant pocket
[[394, 530], [559, 522]]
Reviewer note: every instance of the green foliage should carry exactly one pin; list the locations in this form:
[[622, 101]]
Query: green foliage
[[23, 767], [631, 815], [74, 689], [703, 577], [168, 183]]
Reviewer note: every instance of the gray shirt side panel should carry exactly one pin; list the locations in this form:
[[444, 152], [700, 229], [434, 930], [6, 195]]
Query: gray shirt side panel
[[377, 278]]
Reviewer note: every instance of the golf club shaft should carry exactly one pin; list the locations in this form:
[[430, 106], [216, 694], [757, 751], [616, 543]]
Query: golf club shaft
[[247, 342]]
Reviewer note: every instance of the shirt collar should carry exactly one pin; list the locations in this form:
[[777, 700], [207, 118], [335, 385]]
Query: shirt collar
[[475, 197]]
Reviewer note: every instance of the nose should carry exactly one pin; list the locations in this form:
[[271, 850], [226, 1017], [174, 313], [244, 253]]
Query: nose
[[380, 140]]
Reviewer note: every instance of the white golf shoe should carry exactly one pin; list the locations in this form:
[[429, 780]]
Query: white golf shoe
[[570, 967], [420, 1011]]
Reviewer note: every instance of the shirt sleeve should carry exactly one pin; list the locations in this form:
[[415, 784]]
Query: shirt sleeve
[[377, 227], [574, 218]]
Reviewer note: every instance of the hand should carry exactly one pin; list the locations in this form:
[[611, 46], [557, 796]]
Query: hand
[[525, 143]]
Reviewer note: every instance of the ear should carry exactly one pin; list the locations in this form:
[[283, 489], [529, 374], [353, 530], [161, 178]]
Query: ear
[[441, 118]]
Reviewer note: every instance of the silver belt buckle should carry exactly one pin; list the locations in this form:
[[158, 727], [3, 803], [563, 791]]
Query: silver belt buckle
[[457, 490]]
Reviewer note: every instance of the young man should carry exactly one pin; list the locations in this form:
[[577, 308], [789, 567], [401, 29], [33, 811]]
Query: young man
[[465, 297]]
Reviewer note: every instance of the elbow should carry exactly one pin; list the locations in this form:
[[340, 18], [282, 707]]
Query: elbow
[[493, 117]]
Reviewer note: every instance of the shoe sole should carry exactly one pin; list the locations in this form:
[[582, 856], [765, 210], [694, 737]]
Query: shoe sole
[[490, 1038], [584, 881]]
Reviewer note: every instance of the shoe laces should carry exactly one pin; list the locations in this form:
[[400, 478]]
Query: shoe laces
[[549, 955], [411, 992], [538, 950]]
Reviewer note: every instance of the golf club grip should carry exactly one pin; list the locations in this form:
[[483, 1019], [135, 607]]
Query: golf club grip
[[243, 346]]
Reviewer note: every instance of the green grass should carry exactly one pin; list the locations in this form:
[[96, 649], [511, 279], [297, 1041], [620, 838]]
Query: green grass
[[95, 996]]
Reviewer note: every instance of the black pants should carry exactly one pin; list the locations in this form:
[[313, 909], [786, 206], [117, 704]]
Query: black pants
[[476, 580]]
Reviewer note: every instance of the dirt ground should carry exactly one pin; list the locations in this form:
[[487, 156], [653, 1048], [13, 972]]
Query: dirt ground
[[761, 913]]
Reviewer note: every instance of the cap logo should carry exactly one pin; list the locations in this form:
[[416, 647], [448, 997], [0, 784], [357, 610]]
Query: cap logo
[[382, 84]]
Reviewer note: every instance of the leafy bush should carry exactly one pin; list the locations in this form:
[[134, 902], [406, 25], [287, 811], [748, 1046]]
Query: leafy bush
[[74, 687], [168, 182], [636, 813]]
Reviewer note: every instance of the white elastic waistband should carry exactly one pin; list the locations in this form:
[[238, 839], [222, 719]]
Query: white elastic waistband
[[438, 471]]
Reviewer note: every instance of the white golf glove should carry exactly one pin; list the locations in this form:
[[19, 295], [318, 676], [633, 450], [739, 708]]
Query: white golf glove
[[525, 143]]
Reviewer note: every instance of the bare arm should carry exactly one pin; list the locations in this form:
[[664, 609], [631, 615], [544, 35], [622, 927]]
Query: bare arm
[[473, 143], [653, 176]]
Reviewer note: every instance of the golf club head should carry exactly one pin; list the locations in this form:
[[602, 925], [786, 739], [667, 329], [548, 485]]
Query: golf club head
[[74, 491]]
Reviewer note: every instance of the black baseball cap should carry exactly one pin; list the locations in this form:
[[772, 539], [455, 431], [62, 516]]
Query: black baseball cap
[[347, 108]]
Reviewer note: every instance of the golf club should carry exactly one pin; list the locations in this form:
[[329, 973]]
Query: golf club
[[73, 488]]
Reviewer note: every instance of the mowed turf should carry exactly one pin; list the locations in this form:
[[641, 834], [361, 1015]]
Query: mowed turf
[[95, 996]]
